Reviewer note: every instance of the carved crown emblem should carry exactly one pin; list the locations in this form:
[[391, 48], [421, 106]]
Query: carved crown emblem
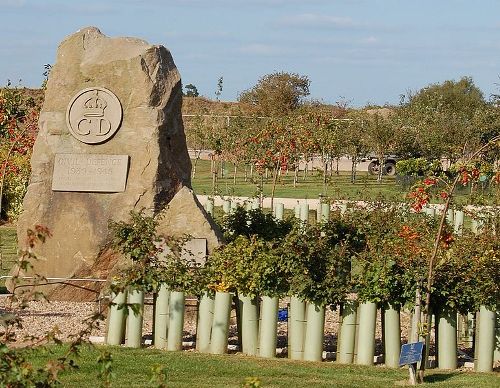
[[94, 106]]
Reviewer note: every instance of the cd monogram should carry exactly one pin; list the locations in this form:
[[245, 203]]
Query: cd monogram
[[94, 115]]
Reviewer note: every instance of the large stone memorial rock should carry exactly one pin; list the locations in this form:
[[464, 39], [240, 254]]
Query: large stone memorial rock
[[111, 140]]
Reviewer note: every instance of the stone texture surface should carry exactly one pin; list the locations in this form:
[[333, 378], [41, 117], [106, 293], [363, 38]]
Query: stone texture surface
[[148, 85], [185, 209]]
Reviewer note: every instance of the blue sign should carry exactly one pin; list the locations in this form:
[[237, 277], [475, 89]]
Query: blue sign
[[411, 353], [283, 315]]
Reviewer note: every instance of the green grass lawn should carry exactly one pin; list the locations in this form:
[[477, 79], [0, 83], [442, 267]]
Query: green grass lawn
[[132, 367], [310, 186], [8, 252]]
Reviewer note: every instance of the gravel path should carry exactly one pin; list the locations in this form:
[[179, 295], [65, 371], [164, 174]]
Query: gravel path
[[68, 317]]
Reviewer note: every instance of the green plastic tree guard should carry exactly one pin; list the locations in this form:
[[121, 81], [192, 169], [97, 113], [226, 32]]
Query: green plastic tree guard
[[447, 339], [366, 333], [176, 320], [496, 352], [315, 326], [116, 320], [296, 210], [256, 204], [430, 211], [220, 324], [134, 320], [477, 226], [325, 212], [205, 319], [347, 333], [450, 217], [268, 326], [485, 341], [304, 212], [209, 206], [226, 206], [161, 317], [392, 336], [458, 220], [297, 328], [279, 210], [249, 324]]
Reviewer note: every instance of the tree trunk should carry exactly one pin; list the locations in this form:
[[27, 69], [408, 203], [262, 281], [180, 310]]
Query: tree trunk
[[353, 169], [273, 188]]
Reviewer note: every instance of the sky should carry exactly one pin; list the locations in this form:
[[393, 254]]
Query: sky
[[358, 51]]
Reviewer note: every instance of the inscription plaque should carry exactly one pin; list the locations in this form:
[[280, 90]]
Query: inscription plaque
[[411, 353], [94, 115], [90, 172]]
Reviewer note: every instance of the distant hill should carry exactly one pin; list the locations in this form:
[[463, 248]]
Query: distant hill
[[205, 106]]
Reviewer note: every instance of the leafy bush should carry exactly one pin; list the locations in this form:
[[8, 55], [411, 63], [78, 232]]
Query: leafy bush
[[319, 260], [250, 266], [154, 260], [419, 167], [393, 261], [255, 222], [468, 276], [18, 130]]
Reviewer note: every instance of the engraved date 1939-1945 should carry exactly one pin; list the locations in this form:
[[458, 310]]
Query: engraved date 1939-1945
[[89, 171]]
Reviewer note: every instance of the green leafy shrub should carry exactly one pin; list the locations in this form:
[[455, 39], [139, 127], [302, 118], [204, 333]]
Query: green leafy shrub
[[250, 266], [18, 130], [468, 276], [255, 222], [392, 264], [318, 258], [419, 167], [154, 260]]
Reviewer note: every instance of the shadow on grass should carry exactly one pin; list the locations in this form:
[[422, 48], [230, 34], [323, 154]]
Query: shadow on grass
[[439, 377]]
